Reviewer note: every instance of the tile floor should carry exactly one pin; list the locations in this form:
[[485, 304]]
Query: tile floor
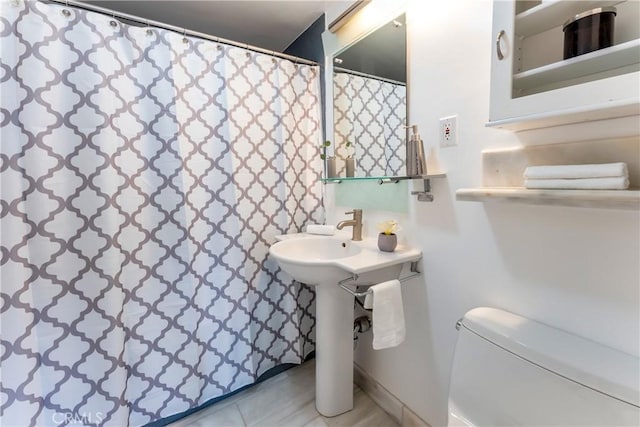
[[286, 400]]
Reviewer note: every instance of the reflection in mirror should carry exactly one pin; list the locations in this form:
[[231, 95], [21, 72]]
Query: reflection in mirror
[[369, 87]]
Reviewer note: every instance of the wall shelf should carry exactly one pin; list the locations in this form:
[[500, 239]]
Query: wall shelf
[[380, 179], [605, 199]]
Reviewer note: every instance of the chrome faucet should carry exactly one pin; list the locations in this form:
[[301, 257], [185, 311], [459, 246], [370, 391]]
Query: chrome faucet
[[356, 223]]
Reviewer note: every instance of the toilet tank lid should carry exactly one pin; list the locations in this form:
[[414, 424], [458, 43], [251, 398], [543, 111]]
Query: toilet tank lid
[[589, 363]]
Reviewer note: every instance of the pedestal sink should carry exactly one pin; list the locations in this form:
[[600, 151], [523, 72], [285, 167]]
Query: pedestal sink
[[323, 261]]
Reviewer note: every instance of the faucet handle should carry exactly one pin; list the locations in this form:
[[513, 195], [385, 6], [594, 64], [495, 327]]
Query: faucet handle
[[354, 212]]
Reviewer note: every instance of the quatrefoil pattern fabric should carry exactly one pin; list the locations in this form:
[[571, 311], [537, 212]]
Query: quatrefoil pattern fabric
[[144, 175]]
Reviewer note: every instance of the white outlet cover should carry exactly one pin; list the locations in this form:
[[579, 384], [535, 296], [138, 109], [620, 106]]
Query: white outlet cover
[[448, 131]]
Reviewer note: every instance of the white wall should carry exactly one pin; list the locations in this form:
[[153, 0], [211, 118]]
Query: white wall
[[575, 268]]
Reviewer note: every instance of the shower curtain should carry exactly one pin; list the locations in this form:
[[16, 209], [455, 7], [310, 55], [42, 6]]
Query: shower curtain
[[371, 113], [144, 176]]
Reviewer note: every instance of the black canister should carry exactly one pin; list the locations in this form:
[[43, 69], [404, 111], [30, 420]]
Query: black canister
[[589, 31]]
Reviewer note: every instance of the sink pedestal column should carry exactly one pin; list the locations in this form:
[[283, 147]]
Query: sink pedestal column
[[334, 350]]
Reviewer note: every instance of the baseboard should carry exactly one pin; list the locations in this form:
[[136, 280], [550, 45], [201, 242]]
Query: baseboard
[[393, 406], [411, 419]]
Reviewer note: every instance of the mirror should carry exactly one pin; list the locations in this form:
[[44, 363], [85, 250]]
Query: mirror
[[370, 104]]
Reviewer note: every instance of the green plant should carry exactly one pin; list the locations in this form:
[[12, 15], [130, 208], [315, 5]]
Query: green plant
[[350, 148], [324, 146]]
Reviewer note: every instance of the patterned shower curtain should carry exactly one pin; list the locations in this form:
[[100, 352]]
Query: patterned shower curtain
[[370, 113], [144, 175]]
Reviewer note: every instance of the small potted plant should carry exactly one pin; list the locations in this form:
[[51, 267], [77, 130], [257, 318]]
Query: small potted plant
[[329, 160], [350, 162], [387, 239]]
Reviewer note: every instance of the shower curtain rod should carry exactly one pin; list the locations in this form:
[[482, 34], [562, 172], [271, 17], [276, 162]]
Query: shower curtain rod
[[149, 22], [370, 76]]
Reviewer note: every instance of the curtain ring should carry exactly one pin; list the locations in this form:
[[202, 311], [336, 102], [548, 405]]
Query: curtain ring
[[113, 22], [149, 31], [184, 36], [66, 12]]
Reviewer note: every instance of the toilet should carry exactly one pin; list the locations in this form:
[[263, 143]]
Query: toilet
[[512, 371]]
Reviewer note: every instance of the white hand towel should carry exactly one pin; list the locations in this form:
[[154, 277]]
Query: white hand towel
[[611, 183], [325, 230], [576, 171], [388, 315], [368, 301]]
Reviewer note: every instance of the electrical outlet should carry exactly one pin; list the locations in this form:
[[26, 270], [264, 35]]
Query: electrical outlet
[[448, 131]]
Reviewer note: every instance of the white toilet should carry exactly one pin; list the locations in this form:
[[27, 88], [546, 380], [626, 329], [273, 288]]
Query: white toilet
[[512, 371]]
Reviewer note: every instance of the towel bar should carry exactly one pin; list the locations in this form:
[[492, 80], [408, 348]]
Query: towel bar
[[354, 278]]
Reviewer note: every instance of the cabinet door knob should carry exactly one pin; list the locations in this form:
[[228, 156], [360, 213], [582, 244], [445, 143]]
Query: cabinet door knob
[[498, 49]]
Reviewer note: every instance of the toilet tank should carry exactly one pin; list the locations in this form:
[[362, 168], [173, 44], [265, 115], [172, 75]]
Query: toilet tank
[[512, 371]]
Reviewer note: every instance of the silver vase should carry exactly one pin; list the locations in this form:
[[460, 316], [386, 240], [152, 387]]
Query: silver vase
[[350, 164], [331, 167]]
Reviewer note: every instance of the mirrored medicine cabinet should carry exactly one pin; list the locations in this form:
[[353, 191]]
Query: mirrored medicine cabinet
[[369, 108]]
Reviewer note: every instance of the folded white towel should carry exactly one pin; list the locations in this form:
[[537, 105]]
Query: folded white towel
[[576, 171], [611, 183], [388, 315], [325, 230]]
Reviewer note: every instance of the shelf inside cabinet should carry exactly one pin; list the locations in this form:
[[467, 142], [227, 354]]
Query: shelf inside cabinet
[[553, 13], [603, 60], [606, 199]]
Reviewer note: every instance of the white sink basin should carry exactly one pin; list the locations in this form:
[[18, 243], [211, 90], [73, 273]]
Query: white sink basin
[[315, 249], [328, 259]]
